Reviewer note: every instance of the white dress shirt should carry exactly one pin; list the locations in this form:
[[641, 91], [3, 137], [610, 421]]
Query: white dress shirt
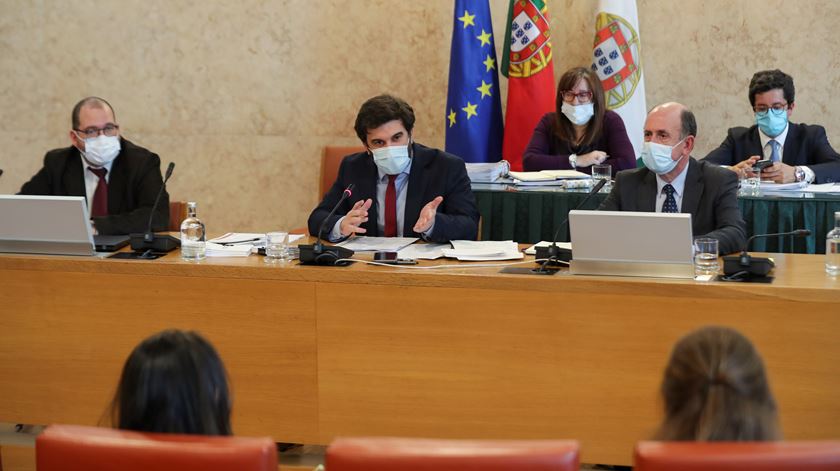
[[679, 187]]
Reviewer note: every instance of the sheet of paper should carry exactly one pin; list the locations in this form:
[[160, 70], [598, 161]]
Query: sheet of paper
[[551, 182], [239, 238], [219, 250], [484, 250], [795, 186], [823, 188], [531, 176], [423, 251], [532, 250], [568, 173], [377, 244]]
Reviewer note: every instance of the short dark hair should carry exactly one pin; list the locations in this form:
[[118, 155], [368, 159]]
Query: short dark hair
[[93, 101], [715, 389], [688, 124], [767, 80], [173, 382], [381, 109]]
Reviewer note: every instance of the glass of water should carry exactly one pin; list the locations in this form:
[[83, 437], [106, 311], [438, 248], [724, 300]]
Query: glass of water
[[276, 247], [602, 172], [706, 256]]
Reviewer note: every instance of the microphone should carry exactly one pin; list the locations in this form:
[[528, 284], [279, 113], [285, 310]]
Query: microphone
[[149, 240], [755, 266], [320, 254], [552, 254]]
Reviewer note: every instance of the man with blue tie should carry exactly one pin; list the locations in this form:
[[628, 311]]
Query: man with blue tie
[[672, 181], [401, 188], [799, 152]]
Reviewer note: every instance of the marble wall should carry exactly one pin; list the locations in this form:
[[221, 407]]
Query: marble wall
[[244, 95]]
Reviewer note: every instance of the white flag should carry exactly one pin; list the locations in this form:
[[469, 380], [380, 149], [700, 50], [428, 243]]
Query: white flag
[[617, 60]]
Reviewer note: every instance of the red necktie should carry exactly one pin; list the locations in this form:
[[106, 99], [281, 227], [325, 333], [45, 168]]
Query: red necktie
[[391, 208], [100, 196]]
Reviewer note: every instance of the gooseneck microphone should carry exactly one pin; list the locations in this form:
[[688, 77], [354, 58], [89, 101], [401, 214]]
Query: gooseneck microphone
[[746, 265], [320, 254], [554, 254], [149, 240]]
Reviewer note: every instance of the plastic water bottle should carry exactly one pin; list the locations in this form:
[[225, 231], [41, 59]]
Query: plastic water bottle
[[192, 235], [832, 248]]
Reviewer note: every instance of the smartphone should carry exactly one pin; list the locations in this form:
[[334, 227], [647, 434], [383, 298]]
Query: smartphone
[[392, 259], [761, 165]]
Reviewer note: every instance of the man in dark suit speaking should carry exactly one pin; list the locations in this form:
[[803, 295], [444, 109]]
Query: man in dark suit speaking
[[799, 152], [402, 188], [119, 179], [673, 181]]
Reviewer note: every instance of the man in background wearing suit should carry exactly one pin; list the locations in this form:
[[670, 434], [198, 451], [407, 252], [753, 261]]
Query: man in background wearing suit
[[402, 188], [799, 152], [672, 181], [119, 179]]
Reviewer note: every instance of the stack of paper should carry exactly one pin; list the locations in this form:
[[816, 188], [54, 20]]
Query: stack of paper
[[219, 250], [377, 244], [487, 172], [773, 186], [475, 251], [545, 177]]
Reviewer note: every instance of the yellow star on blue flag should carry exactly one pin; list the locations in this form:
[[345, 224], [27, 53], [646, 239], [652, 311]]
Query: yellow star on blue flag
[[473, 115]]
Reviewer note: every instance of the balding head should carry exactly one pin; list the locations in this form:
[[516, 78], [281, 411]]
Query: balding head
[[673, 125], [680, 114], [90, 102]]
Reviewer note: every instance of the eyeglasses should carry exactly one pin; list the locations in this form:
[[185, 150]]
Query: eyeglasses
[[583, 97], [109, 130], [777, 108]]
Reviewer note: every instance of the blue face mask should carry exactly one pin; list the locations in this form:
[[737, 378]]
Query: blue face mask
[[770, 123], [657, 157], [391, 160]]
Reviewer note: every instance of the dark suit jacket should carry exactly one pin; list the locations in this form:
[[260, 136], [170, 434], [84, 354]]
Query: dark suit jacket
[[804, 145], [710, 195], [433, 173], [132, 187]]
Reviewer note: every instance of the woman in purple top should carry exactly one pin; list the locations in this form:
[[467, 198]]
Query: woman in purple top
[[582, 132]]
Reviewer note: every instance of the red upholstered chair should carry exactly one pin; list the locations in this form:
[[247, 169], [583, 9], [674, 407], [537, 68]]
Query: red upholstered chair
[[741, 456], [412, 454], [330, 163], [77, 448]]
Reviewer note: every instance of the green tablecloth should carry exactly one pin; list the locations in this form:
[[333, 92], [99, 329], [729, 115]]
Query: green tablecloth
[[528, 215]]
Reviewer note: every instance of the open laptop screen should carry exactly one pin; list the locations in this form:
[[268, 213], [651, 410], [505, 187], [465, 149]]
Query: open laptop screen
[[45, 225]]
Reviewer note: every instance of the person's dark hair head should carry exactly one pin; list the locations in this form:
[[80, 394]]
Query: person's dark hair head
[[381, 109], [91, 101], [715, 389], [688, 124], [564, 129], [173, 382], [767, 80]]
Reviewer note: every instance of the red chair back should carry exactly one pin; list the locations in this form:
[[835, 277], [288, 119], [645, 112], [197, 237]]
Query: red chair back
[[330, 163], [741, 456], [411, 454], [77, 448]]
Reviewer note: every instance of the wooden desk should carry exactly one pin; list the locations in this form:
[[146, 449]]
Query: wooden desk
[[318, 352]]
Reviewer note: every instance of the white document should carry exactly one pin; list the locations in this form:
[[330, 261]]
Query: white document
[[475, 251], [248, 238], [823, 188], [772, 186], [377, 244], [219, 250], [532, 250], [568, 173], [532, 176], [423, 251]]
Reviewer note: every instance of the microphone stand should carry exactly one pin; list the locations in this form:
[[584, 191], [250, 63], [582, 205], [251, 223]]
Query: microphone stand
[[148, 242], [554, 255], [320, 254], [744, 267]]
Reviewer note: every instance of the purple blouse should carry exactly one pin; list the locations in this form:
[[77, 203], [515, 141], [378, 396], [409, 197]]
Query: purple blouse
[[547, 152]]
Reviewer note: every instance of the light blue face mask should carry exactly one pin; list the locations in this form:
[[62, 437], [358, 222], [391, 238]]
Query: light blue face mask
[[771, 122], [391, 160], [657, 157]]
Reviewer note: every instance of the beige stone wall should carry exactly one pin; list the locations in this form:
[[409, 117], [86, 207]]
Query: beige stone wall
[[244, 95]]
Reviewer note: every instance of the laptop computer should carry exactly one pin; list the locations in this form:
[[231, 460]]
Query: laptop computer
[[57, 225], [626, 243]]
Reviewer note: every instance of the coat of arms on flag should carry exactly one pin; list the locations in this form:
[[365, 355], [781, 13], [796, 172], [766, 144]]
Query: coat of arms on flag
[[529, 46], [616, 58]]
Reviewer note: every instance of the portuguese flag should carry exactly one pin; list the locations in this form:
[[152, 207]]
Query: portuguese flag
[[526, 62]]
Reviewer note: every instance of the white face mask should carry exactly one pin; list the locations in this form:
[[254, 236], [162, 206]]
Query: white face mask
[[101, 150], [391, 160], [580, 114], [657, 157]]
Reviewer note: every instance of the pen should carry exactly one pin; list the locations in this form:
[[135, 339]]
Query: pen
[[242, 241]]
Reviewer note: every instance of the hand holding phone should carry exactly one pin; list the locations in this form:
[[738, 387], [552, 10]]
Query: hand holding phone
[[761, 165]]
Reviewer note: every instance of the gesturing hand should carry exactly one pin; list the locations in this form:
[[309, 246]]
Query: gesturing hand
[[354, 218], [427, 215]]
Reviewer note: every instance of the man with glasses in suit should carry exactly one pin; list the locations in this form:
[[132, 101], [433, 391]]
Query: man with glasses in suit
[[119, 179], [798, 152]]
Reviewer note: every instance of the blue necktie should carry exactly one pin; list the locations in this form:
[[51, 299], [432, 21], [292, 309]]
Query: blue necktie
[[774, 151], [670, 205]]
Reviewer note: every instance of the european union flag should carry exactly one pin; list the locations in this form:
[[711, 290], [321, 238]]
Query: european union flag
[[474, 126]]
